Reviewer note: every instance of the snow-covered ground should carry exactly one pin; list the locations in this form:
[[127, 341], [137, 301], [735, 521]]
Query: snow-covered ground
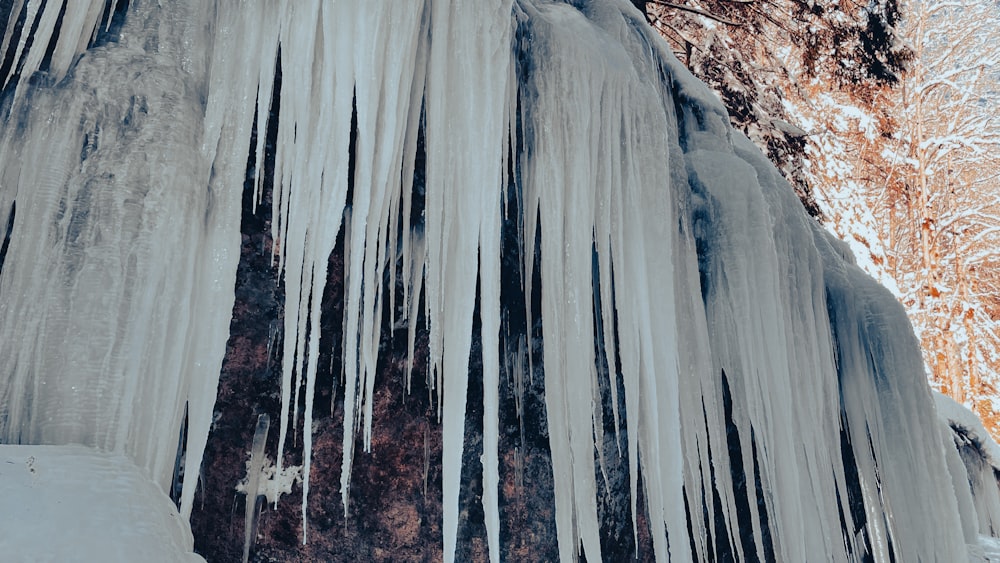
[[72, 503]]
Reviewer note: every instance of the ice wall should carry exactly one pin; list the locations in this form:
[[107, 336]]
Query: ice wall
[[117, 283], [765, 394]]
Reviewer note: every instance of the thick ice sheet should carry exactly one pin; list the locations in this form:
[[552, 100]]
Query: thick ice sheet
[[72, 503], [117, 289]]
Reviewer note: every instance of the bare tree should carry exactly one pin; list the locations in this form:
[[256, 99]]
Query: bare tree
[[943, 196], [754, 53]]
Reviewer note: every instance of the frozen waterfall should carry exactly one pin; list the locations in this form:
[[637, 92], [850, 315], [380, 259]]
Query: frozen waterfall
[[766, 396]]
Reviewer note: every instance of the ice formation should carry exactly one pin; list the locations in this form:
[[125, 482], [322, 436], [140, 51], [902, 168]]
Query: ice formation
[[770, 395], [977, 475], [252, 488]]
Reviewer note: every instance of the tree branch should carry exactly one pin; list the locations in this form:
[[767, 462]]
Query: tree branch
[[698, 11]]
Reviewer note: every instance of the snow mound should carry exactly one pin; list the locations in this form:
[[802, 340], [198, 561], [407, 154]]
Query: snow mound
[[988, 550], [99, 506]]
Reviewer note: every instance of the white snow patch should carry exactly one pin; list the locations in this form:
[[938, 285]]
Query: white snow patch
[[274, 482], [987, 551], [73, 503]]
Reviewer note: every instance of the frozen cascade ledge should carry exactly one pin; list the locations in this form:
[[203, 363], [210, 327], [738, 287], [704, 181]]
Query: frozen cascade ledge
[[73, 503]]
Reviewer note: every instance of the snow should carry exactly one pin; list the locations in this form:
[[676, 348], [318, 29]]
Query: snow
[[751, 346], [271, 484], [72, 503]]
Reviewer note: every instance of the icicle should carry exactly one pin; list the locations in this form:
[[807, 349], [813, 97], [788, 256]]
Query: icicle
[[464, 135], [111, 13], [253, 483], [15, 13], [489, 310], [30, 17], [419, 256], [378, 157], [79, 21], [585, 189]]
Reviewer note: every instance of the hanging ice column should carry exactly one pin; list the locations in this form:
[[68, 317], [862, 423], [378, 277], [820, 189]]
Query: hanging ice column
[[595, 173], [811, 399], [800, 381]]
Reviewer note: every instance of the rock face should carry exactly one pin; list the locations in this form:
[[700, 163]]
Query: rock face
[[394, 512], [395, 498]]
